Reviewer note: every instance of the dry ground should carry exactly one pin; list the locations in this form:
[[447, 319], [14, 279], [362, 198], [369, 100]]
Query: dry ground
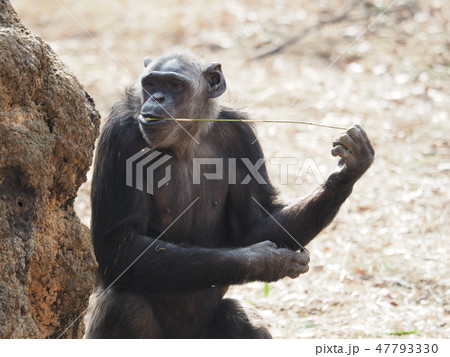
[[383, 265]]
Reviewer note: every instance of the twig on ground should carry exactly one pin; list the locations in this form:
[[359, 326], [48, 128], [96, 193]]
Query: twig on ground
[[339, 18]]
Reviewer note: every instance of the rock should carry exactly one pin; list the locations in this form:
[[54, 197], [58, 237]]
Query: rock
[[48, 125]]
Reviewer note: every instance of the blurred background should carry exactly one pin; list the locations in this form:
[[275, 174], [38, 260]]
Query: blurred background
[[382, 268]]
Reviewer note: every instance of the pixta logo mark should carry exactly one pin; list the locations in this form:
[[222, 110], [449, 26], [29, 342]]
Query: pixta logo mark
[[136, 164]]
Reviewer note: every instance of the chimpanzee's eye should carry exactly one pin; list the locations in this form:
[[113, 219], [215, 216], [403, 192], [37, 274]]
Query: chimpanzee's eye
[[176, 86]]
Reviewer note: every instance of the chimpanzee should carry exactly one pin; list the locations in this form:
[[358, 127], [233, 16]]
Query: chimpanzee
[[166, 259]]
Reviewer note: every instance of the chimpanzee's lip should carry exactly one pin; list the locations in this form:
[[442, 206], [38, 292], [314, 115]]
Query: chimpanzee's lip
[[149, 120]]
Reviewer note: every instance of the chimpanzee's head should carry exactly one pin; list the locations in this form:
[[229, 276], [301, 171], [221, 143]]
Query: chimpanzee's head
[[178, 86]]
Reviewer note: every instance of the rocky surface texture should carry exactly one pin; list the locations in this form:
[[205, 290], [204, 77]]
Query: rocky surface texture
[[48, 125]]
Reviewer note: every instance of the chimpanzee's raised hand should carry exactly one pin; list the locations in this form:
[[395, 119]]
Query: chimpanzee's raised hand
[[356, 153]]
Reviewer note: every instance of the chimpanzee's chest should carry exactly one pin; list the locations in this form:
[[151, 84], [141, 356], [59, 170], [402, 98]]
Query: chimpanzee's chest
[[190, 200]]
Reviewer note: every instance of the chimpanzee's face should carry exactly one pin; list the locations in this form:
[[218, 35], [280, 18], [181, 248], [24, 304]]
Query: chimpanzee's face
[[177, 88], [166, 92]]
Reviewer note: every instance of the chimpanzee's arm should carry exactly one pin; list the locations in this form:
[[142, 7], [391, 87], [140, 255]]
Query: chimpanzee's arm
[[295, 225]]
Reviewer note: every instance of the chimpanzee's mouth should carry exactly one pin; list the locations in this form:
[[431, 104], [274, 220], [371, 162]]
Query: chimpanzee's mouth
[[149, 120]]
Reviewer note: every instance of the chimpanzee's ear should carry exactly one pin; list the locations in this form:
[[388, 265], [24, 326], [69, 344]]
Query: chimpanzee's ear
[[147, 61], [216, 81]]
